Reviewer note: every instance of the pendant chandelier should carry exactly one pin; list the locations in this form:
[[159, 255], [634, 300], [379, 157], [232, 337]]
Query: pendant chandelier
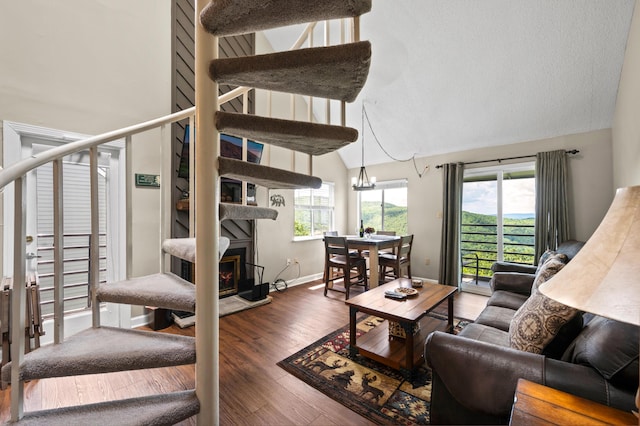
[[362, 182]]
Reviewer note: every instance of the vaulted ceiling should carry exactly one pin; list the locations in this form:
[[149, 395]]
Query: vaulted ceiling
[[452, 75]]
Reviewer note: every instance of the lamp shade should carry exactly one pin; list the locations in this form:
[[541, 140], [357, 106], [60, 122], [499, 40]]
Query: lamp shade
[[604, 277]]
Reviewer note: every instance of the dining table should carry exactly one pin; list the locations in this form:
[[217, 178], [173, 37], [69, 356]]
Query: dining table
[[373, 244]]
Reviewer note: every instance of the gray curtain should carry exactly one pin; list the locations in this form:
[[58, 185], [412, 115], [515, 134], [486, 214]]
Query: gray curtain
[[552, 214], [453, 176]]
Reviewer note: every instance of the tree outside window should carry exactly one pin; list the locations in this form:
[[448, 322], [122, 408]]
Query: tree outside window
[[313, 210]]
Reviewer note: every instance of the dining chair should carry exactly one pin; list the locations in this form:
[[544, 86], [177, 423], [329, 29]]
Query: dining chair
[[396, 261], [331, 234], [337, 256]]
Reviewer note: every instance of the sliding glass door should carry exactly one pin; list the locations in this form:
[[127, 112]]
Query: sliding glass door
[[498, 216]]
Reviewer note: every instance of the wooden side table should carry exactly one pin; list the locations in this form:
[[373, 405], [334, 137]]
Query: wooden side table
[[536, 404]]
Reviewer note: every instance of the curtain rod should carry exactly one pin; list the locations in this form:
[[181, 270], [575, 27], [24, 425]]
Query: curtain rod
[[572, 151]]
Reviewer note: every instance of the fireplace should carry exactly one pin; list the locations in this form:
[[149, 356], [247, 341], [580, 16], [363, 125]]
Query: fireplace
[[235, 275], [232, 272], [229, 275]]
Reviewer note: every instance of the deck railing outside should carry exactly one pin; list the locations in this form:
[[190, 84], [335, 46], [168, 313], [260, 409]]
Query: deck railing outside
[[483, 240], [76, 270]]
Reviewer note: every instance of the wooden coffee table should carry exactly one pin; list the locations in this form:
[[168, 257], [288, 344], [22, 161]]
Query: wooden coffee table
[[403, 354]]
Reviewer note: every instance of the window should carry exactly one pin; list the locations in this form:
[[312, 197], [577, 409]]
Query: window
[[385, 207], [498, 217], [313, 211]]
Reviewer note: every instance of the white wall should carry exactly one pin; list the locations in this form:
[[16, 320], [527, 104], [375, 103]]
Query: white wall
[[90, 67], [626, 125], [590, 175]]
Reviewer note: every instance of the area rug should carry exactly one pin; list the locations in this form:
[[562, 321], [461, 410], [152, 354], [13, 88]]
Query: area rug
[[369, 388]]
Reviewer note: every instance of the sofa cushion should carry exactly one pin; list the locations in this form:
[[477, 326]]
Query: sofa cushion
[[537, 322], [507, 299], [496, 316], [486, 334], [609, 346]]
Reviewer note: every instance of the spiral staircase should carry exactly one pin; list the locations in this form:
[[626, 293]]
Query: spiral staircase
[[334, 72]]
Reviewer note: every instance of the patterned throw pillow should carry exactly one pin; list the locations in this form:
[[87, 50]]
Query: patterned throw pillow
[[537, 322], [545, 256], [548, 255], [548, 269]]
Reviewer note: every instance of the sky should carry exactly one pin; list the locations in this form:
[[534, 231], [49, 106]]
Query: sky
[[518, 197], [396, 197]]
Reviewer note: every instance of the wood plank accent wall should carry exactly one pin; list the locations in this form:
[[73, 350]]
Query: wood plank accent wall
[[183, 97]]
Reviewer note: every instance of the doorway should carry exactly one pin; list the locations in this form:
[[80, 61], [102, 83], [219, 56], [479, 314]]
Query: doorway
[[21, 141], [497, 222]]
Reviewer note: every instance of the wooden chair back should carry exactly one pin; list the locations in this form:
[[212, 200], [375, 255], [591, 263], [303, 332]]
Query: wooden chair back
[[335, 246], [404, 249]]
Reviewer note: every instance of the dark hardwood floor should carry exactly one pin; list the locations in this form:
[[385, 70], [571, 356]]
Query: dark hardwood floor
[[253, 389]]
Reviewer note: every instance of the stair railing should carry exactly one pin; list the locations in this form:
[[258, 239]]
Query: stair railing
[[17, 173]]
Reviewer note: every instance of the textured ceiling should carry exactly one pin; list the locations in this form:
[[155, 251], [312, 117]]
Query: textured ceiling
[[452, 75]]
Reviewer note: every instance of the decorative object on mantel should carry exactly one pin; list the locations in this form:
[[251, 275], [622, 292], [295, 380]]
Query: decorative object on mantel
[[277, 200], [603, 277], [363, 183]]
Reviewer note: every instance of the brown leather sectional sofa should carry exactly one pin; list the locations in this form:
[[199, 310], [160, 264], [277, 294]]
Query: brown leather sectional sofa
[[475, 372]]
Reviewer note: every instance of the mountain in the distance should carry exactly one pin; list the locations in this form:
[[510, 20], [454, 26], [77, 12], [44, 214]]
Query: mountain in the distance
[[519, 215]]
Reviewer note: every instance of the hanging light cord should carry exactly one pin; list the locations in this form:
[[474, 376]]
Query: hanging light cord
[[412, 159]]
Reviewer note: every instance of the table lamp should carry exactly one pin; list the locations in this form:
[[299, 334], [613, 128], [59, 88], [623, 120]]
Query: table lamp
[[604, 277]]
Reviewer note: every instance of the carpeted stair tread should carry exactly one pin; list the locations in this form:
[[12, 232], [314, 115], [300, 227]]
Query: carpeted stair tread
[[301, 136], [224, 17], [163, 290], [185, 248], [163, 409], [238, 211], [334, 72], [182, 248], [269, 177], [105, 350]]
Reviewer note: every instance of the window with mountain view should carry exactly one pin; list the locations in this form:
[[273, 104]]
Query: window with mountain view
[[385, 207], [313, 211], [498, 217]]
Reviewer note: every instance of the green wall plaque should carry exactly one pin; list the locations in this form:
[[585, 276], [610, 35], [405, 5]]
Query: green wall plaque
[[148, 180]]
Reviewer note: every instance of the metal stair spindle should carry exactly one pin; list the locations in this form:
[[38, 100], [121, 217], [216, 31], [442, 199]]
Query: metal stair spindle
[[18, 299]]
